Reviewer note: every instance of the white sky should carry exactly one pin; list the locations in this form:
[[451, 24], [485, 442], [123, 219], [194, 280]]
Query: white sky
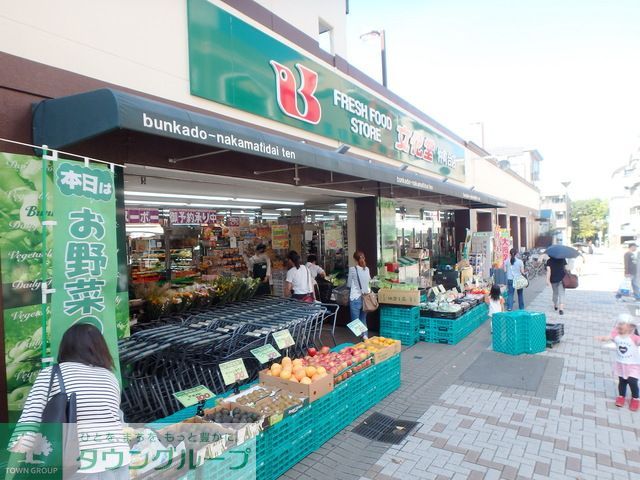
[[561, 76]]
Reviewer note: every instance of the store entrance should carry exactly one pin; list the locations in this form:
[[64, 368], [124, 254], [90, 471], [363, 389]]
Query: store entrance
[[189, 234]]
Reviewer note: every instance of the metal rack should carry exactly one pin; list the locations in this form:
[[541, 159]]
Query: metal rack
[[184, 350]]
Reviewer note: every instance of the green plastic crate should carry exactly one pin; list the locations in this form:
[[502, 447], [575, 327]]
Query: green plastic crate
[[519, 332]]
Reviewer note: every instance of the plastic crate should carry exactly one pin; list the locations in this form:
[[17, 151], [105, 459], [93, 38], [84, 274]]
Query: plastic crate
[[400, 315], [554, 332], [407, 338], [519, 332]]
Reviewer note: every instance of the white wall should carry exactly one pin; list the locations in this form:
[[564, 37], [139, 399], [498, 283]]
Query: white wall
[[141, 45], [489, 178], [304, 14]]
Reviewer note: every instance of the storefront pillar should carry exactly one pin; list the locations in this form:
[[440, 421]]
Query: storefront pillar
[[514, 227], [462, 221], [366, 213], [484, 222]]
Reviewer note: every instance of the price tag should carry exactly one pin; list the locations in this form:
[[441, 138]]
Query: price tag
[[357, 327], [233, 371], [265, 353], [283, 339], [193, 395]]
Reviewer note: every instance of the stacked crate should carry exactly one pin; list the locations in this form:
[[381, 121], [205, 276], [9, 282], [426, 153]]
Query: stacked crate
[[451, 331], [400, 323], [519, 332]]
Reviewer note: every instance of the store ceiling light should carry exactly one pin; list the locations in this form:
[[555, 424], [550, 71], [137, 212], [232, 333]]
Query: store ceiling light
[[340, 205], [187, 204], [207, 197], [326, 211], [283, 209]]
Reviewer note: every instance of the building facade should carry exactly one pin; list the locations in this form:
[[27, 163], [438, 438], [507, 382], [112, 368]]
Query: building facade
[[624, 204], [555, 208]]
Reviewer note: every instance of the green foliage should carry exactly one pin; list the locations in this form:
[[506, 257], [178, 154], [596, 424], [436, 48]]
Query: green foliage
[[588, 217]]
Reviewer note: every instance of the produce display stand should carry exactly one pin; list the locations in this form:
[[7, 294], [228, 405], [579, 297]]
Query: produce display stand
[[413, 324], [284, 444], [452, 331], [186, 350]]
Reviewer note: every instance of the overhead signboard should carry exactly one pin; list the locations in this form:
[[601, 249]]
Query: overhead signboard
[[236, 64]]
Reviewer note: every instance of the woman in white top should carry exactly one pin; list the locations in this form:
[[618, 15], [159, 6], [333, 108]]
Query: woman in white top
[[86, 366], [358, 281], [515, 270], [298, 283]]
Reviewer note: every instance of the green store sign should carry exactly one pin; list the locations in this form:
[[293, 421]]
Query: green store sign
[[236, 64]]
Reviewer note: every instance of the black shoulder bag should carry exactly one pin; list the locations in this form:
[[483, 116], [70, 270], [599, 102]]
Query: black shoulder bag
[[62, 408]]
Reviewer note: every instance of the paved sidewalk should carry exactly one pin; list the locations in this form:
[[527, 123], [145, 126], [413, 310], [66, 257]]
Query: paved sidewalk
[[567, 428]]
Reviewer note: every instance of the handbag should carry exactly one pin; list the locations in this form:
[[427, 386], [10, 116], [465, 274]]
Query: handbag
[[369, 300], [570, 280], [520, 282], [62, 408]]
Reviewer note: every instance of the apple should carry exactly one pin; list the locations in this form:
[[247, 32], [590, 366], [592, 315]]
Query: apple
[[324, 350], [312, 352]]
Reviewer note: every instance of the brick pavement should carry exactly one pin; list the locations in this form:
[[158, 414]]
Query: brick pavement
[[473, 431]]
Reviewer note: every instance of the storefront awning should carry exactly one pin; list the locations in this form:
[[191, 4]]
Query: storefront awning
[[66, 121]]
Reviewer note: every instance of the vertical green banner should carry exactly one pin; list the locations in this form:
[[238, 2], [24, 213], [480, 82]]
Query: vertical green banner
[[85, 252], [21, 259]]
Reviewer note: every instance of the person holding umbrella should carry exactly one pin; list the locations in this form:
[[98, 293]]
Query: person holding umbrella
[[556, 270]]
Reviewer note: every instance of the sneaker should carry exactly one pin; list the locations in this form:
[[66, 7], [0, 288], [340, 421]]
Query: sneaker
[[555, 307], [561, 312], [634, 404], [619, 401]]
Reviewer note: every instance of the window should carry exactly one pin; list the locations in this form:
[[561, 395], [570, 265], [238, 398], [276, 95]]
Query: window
[[325, 36]]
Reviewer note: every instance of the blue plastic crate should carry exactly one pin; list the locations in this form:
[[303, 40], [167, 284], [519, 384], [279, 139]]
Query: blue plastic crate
[[400, 315], [519, 332], [407, 338]]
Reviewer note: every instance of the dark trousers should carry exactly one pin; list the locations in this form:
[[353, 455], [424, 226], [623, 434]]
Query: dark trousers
[[633, 385]]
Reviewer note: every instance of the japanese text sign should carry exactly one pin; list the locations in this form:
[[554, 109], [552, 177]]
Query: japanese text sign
[[233, 371], [283, 339], [193, 395], [84, 248], [265, 353]]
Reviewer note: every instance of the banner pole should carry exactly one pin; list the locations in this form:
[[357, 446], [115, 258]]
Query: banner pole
[[43, 223]]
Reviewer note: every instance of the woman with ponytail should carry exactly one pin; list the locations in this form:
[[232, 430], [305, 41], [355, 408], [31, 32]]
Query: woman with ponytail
[[515, 279], [298, 283]]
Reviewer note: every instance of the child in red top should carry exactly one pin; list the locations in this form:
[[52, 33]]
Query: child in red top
[[627, 365]]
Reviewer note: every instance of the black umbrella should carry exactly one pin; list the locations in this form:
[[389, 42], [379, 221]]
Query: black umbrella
[[562, 251]]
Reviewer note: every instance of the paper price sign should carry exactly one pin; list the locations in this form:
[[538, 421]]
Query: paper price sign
[[357, 327], [283, 339], [265, 353], [193, 395], [233, 371]]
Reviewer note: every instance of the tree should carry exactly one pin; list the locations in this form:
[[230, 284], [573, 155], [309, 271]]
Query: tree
[[588, 218]]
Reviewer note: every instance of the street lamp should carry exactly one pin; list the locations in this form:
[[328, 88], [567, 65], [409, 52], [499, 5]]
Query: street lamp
[[383, 51], [481, 132]]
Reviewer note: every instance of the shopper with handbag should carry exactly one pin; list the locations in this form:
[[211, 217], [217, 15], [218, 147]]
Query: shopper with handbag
[[298, 283], [516, 280], [84, 375], [556, 270], [361, 299]]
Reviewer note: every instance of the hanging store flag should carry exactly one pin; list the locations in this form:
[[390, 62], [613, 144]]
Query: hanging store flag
[[134, 215], [194, 217], [280, 237], [84, 248], [21, 192]]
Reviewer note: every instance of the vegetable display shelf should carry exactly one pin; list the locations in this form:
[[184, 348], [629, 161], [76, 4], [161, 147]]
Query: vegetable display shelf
[[287, 442], [519, 332], [451, 332]]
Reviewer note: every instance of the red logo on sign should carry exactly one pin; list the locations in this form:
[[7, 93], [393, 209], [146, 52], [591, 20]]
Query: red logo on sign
[[287, 92]]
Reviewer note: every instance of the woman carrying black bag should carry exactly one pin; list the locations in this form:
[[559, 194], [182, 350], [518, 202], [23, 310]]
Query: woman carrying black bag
[[86, 368]]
